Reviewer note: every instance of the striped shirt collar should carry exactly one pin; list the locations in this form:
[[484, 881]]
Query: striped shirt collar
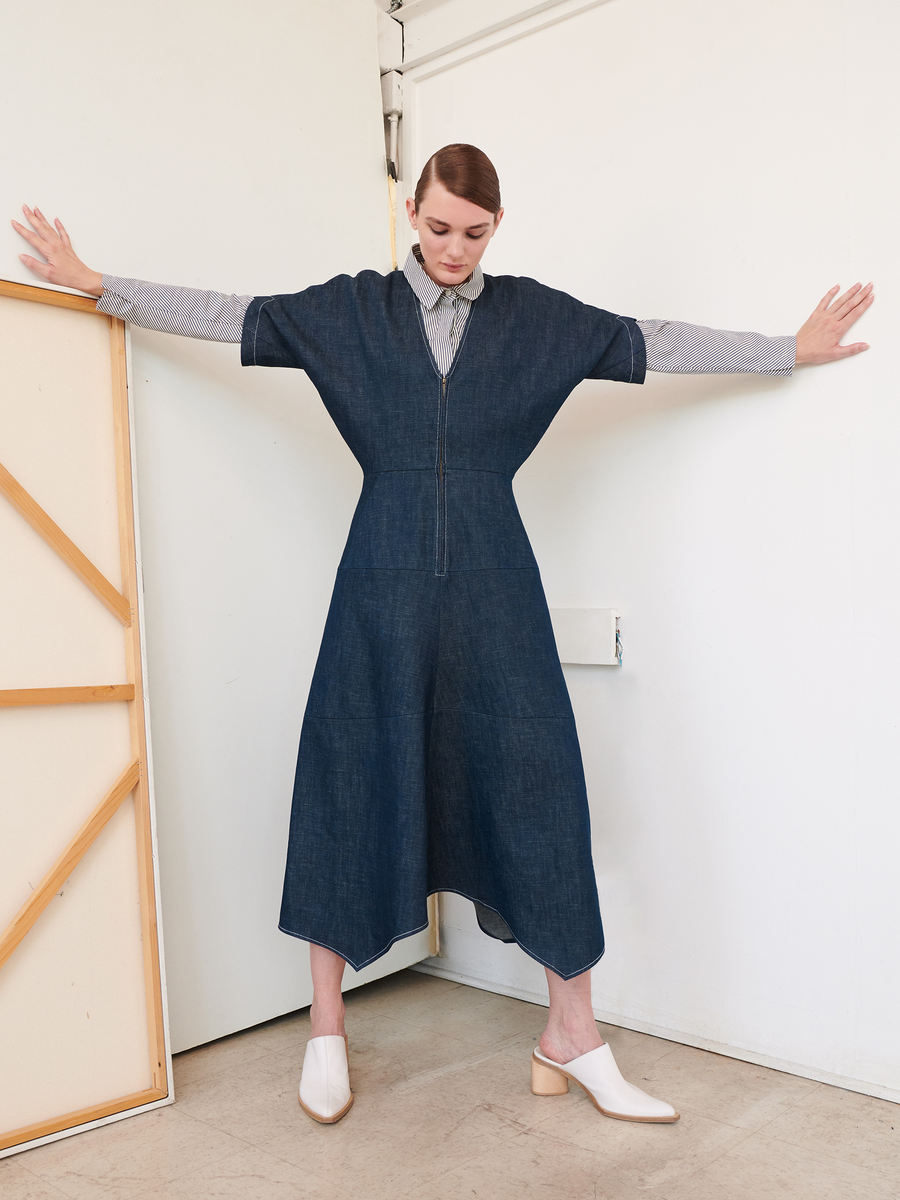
[[429, 292]]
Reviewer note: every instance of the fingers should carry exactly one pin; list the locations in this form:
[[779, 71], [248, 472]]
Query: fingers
[[852, 313], [53, 243], [39, 268], [46, 239], [32, 238], [850, 299], [844, 304], [827, 298], [847, 351], [842, 300], [39, 221], [42, 236], [864, 297]]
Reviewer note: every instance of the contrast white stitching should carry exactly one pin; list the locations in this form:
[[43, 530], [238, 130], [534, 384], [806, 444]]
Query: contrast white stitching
[[631, 342]]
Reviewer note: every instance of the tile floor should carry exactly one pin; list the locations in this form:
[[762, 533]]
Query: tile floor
[[443, 1111]]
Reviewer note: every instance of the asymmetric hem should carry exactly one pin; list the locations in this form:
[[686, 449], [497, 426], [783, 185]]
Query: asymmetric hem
[[421, 928], [356, 966]]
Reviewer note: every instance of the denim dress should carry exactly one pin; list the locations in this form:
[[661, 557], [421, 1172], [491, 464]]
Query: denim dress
[[438, 750]]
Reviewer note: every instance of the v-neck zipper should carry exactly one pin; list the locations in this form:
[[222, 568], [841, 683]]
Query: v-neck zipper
[[440, 529], [440, 524]]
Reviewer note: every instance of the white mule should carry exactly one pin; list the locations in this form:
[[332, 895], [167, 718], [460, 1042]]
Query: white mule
[[598, 1074], [325, 1083]]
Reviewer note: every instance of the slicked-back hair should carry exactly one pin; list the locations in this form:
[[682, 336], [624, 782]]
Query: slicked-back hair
[[465, 171]]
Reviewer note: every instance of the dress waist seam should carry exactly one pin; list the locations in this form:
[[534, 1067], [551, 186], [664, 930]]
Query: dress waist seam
[[430, 471], [450, 571], [437, 712]]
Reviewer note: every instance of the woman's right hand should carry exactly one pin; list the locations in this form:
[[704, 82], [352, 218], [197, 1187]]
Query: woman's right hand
[[63, 266]]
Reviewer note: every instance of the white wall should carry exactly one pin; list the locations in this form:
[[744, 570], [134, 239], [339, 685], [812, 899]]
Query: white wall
[[215, 146], [724, 164]]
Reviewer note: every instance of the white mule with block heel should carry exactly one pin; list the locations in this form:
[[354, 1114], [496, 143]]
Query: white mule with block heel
[[598, 1074], [325, 1083]]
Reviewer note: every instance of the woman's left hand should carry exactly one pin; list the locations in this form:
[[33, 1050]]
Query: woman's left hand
[[819, 338]]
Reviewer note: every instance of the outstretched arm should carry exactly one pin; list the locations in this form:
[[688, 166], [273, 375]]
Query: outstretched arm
[[211, 316], [677, 347]]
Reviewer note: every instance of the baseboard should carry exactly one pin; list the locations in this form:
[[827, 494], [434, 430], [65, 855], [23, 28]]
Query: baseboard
[[674, 1035]]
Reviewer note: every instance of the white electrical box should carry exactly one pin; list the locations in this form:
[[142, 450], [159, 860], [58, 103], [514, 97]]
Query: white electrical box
[[392, 93], [587, 635]]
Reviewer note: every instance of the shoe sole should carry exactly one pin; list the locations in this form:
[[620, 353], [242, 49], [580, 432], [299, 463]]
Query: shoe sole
[[327, 1120], [606, 1112]]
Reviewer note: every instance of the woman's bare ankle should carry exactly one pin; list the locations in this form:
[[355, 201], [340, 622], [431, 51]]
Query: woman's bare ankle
[[326, 1013], [562, 1045], [327, 1020], [571, 1029]]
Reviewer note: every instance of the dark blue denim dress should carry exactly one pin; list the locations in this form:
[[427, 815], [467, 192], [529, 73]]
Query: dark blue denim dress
[[438, 750]]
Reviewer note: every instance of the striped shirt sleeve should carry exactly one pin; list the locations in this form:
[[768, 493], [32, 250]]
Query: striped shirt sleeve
[[210, 316], [675, 346]]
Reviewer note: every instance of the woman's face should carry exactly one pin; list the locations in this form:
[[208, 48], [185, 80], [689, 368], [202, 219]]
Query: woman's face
[[453, 234]]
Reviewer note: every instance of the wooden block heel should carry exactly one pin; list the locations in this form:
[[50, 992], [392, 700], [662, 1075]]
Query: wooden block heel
[[547, 1082]]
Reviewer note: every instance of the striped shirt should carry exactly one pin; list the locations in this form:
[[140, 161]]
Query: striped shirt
[[445, 310], [672, 346]]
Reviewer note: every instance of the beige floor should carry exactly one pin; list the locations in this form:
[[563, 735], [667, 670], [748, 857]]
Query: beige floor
[[443, 1112]]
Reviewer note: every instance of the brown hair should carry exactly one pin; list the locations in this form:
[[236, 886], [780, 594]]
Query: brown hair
[[465, 171]]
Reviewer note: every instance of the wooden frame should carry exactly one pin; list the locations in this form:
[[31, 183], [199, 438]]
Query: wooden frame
[[64, 547], [134, 778], [16, 697]]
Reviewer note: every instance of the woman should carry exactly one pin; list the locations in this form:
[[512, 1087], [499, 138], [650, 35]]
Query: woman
[[438, 750]]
